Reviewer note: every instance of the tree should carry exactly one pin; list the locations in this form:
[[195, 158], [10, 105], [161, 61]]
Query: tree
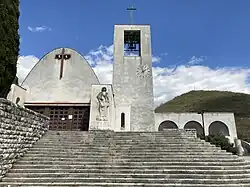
[[9, 44]]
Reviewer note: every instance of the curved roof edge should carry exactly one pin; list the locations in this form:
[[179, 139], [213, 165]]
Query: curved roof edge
[[54, 50]]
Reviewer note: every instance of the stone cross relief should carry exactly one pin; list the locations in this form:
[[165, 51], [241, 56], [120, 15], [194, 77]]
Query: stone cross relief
[[103, 105], [62, 56]]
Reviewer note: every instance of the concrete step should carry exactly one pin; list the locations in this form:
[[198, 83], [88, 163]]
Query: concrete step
[[110, 184], [121, 138], [127, 175], [130, 170], [101, 132], [142, 159], [136, 149], [121, 144], [104, 158], [134, 156], [125, 147], [110, 162], [114, 134], [39, 143], [141, 167], [89, 141], [97, 151], [164, 180]]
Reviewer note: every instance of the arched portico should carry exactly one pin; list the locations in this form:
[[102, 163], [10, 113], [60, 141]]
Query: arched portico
[[218, 127], [195, 125], [167, 125]]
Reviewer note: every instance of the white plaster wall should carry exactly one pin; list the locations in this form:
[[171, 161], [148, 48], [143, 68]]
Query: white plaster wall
[[127, 111], [180, 119], [129, 89], [43, 83], [101, 125], [15, 92], [226, 118]]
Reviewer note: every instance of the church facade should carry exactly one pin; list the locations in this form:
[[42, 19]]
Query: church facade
[[63, 86]]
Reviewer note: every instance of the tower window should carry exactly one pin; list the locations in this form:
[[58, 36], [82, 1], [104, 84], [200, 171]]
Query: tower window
[[17, 100], [122, 120], [132, 43]]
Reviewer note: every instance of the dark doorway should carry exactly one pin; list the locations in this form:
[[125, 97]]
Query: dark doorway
[[194, 125], [218, 127], [167, 125], [68, 118]]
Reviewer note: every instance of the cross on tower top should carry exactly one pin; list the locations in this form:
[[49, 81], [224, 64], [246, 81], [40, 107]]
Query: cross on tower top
[[131, 9]]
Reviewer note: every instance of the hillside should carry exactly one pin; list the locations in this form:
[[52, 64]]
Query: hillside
[[214, 101]]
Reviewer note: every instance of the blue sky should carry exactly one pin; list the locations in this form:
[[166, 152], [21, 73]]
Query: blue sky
[[219, 30], [214, 34]]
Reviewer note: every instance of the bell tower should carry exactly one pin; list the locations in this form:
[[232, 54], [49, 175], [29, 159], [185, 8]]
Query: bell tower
[[132, 78]]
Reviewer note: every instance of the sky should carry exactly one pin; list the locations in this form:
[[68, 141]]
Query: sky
[[196, 45]]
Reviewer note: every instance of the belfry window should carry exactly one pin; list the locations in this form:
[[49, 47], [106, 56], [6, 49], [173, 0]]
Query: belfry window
[[122, 120], [132, 43]]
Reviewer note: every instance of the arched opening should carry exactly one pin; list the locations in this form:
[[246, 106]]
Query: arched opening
[[122, 120], [218, 127], [194, 125], [17, 100], [167, 125]]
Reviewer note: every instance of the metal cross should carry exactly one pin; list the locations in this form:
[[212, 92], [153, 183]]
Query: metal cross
[[131, 9], [62, 57]]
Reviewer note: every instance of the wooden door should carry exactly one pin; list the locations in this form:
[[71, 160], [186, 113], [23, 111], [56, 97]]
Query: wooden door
[[68, 118]]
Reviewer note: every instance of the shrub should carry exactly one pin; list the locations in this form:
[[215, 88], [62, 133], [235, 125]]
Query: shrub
[[221, 141]]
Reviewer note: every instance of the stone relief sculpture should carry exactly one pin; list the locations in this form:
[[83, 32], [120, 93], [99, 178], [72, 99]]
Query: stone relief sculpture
[[103, 105]]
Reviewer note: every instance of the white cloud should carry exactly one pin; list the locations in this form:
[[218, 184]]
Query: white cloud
[[186, 78], [196, 60], [172, 81], [39, 29], [24, 65], [101, 60], [168, 81], [156, 59]]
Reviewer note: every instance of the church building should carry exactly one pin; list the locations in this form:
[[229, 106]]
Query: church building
[[63, 86]]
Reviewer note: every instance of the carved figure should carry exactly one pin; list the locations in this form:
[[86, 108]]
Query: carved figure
[[103, 105]]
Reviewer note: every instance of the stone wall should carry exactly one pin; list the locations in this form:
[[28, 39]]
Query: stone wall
[[181, 119], [20, 128], [187, 133]]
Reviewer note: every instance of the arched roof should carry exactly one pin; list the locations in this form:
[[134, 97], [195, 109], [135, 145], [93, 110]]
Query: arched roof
[[44, 85]]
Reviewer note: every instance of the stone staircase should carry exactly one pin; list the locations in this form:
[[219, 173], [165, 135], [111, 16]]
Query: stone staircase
[[105, 158]]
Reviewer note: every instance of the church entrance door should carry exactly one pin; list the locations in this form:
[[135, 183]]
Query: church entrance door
[[68, 118]]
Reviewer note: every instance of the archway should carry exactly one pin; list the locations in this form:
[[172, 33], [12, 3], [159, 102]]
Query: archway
[[194, 125], [167, 125], [218, 127]]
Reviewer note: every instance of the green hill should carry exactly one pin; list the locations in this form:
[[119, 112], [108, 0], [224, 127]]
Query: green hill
[[214, 101]]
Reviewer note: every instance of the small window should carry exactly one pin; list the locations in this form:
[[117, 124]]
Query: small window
[[122, 120], [17, 100], [132, 43]]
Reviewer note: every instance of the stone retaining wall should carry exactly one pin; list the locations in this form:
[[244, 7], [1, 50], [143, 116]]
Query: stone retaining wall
[[188, 133], [20, 128]]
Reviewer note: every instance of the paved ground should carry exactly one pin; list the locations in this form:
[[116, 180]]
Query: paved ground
[[247, 158]]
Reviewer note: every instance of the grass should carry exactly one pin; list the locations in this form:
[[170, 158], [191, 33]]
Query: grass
[[214, 101]]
